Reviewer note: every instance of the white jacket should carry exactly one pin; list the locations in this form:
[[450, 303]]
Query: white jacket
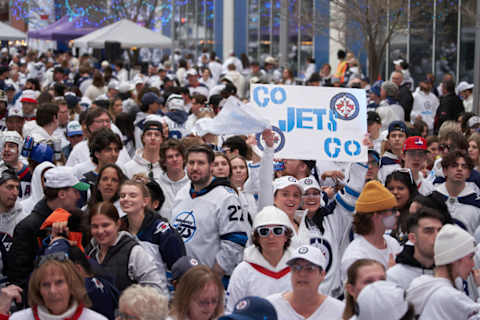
[[465, 208], [81, 153], [389, 113], [337, 226], [255, 276], [9, 219], [36, 187], [424, 105]]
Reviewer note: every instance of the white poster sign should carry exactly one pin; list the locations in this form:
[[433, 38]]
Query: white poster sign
[[314, 123]]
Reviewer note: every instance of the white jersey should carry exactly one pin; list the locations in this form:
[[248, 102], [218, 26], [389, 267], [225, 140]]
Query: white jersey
[[255, 276], [337, 225], [43, 314], [9, 219], [330, 308], [360, 248], [212, 224], [424, 105], [176, 130]]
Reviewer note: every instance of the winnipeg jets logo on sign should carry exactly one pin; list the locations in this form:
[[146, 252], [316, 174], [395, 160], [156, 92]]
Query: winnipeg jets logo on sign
[[278, 140], [186, 225], [345, 106]]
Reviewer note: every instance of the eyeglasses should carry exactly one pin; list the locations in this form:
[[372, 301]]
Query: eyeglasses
[[406, 171], [307, 267], [265, 231], [124, 316]]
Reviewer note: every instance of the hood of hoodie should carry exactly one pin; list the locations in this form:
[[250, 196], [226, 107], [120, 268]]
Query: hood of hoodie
[[422, 288], [9, 219], [465, 192], [167, 181], [178, 116], [36, 186], [406, 257], [144, 163], [215, 183], [253, 255]]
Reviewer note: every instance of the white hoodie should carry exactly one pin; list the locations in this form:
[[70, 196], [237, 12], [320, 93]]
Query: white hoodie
[[436, 298], [424, 105], [139, 165], [36, 187], [255, 276]]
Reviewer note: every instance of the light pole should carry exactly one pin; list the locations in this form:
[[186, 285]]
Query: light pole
[[476, 74]]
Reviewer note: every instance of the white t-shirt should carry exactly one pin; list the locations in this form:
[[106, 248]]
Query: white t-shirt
[[360, 248], [329, 309]]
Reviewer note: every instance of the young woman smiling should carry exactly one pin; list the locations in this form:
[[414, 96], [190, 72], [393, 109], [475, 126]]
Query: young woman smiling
[[118, 253], [154, 233]]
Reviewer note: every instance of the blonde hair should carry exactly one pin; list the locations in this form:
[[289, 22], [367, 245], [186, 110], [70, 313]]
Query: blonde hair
[[190, 283], [147, 301], [448, 126], [75, 282], [476, 138]]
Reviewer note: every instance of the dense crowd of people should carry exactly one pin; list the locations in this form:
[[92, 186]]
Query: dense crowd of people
[[113, 205]]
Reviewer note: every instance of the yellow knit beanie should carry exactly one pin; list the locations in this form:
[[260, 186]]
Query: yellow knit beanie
[[375, 197]]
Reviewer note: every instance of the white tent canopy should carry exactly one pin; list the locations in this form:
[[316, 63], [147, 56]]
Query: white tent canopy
[[128, 33], [8, 33]]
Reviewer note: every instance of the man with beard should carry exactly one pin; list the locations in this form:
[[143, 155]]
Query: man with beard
[[208, 216]]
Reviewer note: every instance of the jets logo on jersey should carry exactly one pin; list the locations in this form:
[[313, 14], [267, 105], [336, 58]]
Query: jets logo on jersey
[[161, 227], [326, 249], [186, 225]]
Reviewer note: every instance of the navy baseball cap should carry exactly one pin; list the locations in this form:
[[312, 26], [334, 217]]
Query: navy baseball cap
[[150, 97], [252, 308], [397, 126], [375, 88]]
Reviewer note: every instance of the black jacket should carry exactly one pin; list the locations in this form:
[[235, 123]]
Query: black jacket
[[25, 247], [405, 99], [449, 109]]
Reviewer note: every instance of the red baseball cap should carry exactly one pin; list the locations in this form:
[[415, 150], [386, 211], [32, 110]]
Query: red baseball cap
[[415, 143]]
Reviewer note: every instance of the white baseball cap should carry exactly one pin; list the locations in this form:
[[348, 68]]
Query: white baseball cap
[[473, 121], [382, 300], [271, 215], [311, 254], [14, 137], [125, 87], [63, 177], [175, 102], [191, 72], [398, 61], [74, 129], [309, 183], [286, 181], [464, 85], [29, 96]]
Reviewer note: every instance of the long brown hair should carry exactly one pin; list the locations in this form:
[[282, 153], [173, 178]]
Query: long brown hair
[[352, 276], [190, 283]]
